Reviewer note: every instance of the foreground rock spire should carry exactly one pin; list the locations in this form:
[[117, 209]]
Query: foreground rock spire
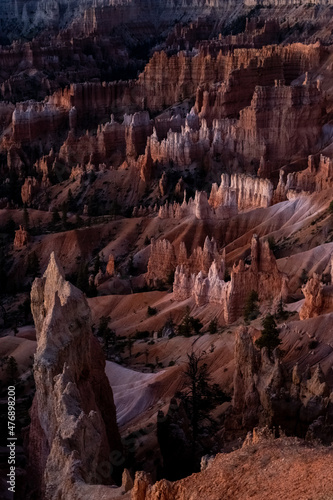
[[74, 442]]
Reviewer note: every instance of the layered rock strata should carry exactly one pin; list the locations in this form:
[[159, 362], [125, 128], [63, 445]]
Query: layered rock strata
[[167, 80]]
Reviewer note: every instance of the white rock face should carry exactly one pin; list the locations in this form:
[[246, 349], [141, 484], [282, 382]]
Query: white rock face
[[236, 193], [247, 192]]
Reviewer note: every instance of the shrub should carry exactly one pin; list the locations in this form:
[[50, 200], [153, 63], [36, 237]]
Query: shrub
[[189, 325], [304, 277], [213, 325], [330, 208], [142, 335], [313, 344], [151, 311]]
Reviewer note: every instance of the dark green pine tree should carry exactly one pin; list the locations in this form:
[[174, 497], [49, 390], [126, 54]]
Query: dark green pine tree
[[269, 335], [25, 217], [82, 281], [11, 370], [251, 310]]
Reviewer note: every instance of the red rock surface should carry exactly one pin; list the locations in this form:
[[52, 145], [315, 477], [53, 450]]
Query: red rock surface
[[270, 469]]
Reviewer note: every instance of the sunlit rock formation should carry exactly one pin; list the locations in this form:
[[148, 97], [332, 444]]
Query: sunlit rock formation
[[73, 431]]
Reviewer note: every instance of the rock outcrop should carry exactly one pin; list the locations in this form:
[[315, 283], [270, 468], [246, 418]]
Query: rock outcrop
[[29, 190], [264, 468], [250, 192], [262, 276], [318, 298], [164, 259], [22, 238], [73, 437], [316, 177], [267, 393]]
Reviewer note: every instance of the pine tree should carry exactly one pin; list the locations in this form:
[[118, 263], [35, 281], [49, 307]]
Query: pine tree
[[25, 217], [269, 336], [70, 201], [55, 217], [108, 336], [281, 313], [11, 369], [33, 268], [189, 325], [130, 343], [200, 396], [251, 310], [64, 215], [304, 277], [213, 325], [97, 264], [82, 281]]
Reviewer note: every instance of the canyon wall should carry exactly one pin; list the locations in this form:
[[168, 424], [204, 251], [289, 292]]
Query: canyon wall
[[167, 80]]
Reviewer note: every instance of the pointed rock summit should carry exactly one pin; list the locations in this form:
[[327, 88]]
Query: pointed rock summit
[[73, 419]]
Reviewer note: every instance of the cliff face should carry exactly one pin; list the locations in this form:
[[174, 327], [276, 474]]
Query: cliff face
[[261, 276], [24, 17], [291, 112], [166, 80], [73, 430]]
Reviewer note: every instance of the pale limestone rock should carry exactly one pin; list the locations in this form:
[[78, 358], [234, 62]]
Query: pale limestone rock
[[73, 424]]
